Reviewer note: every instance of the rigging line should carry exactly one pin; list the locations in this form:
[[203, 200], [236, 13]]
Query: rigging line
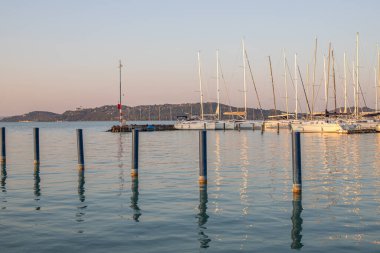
[[361, 92], [254, 84], [291, 79], [274, 94], [319, 88], [303, 86], [317, 93], [225, 86], [353, 85]]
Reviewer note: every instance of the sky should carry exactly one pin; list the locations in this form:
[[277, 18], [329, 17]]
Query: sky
[[61, 55]]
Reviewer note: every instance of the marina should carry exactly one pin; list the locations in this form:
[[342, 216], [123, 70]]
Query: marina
[[248, 200], [189, 126]]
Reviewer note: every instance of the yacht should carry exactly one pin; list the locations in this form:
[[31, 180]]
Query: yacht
[[323, 126]]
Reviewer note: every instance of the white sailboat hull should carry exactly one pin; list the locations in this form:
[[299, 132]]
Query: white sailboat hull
[[194, 125], [233, 125], [322, 127], [367, 124], [273, 124], [248, 125]]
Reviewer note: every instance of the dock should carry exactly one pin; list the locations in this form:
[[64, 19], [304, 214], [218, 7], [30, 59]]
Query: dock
[[142, 128], [362, 131]]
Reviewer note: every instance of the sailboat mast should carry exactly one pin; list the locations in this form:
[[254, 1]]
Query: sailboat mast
[[274, 94], [325, 79], [353, 82], [119, 105], [378, 69], [328, 78], [314, 68], [375, 88], [333, 69], [345, 82], [286, 87], [200, 82], [217, 85], [307, 81], [244, 81], [357, 75], [296, 83]]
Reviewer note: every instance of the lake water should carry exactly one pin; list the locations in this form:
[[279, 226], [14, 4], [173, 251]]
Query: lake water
[[248, 204]]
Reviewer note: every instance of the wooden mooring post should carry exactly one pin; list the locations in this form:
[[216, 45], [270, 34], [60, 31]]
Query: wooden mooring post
[[3, 153], [296, 160], [135, 153], [36, 138], [80, 148], [202, 157]]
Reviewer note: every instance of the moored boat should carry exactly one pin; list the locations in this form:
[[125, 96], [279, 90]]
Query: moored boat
[[323, 126]]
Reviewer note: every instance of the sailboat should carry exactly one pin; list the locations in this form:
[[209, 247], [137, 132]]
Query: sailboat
[[323, 125], [196, 123], [242, 122], [220, 124], [282, 120], [328, 125]]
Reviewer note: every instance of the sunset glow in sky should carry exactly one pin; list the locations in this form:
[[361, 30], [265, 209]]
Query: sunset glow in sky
[[59, 55]]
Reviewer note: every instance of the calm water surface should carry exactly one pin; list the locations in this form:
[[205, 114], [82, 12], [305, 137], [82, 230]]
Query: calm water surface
[[247, 206]]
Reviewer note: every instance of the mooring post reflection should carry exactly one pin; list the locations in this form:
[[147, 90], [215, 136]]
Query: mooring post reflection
[[296, 221], [203, 217], [121, 164], [37, 188], [3, 178], [81, 182], [135, 198], [82, 198]]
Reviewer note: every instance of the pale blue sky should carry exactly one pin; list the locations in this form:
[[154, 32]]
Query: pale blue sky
[[59, 55]]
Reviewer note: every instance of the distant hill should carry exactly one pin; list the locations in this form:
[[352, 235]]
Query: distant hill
[[141, 112], [33, 116]]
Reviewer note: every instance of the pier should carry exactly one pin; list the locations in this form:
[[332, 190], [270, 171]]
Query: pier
[[362, 131], [142, 128]]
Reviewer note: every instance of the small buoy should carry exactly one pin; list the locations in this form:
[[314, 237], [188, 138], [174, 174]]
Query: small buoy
[[150, 128]]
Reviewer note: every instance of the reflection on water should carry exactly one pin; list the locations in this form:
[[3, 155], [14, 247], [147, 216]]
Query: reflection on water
[[341, 183], [218, 177], [203, 217], [121, 165], [245, 172], [36, 188], [3, 183], [244, 198], [82, 198], [297, 222], [134, 199], [81, 182], [3, 178]]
